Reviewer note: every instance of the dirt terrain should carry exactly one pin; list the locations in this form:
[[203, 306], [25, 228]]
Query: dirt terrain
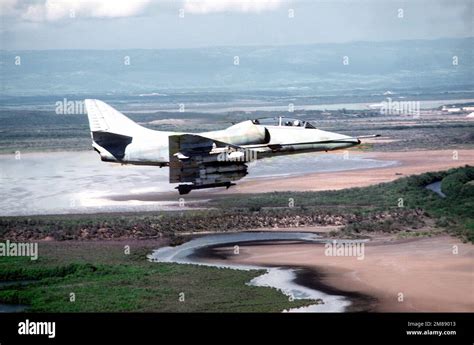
[[412, 275], [410, 163]]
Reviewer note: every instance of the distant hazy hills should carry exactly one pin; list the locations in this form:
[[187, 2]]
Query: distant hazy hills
[[412, 66]]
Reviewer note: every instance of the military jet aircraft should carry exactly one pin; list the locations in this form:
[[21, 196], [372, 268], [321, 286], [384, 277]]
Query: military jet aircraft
[[209, 159]]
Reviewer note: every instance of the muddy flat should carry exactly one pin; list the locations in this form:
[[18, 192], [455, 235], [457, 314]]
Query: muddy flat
[[78, 182], [416, 275]]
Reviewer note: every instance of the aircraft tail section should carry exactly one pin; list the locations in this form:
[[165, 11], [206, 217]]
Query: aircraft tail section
[[104, 118], [111, 131]]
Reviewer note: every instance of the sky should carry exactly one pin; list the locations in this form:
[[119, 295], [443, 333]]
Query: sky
[[157, 24]]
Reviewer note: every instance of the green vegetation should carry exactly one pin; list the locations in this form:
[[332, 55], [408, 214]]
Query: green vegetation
[[401, 205], [459, 184], [104, 279]]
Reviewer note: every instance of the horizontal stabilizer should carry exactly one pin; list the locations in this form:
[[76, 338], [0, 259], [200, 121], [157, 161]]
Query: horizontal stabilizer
[[115, 144]]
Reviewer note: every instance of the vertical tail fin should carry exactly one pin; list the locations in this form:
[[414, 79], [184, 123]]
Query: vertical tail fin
[[111, 131], [104, 118]]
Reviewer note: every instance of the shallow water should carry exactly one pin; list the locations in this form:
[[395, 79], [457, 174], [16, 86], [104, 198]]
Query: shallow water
[[16, 282], [282, 279], [184, 252], [436, 187], [12, 308], [78, 182]]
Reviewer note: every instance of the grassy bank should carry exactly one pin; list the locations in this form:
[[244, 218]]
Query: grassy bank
[[404, 205], [105, 279]]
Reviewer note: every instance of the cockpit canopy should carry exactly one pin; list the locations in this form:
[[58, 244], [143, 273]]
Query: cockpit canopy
[[283, 121]]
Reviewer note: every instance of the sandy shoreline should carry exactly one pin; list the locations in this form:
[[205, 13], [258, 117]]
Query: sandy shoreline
[[407, 163], [86, 185], [410, 163], [427, 273]]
